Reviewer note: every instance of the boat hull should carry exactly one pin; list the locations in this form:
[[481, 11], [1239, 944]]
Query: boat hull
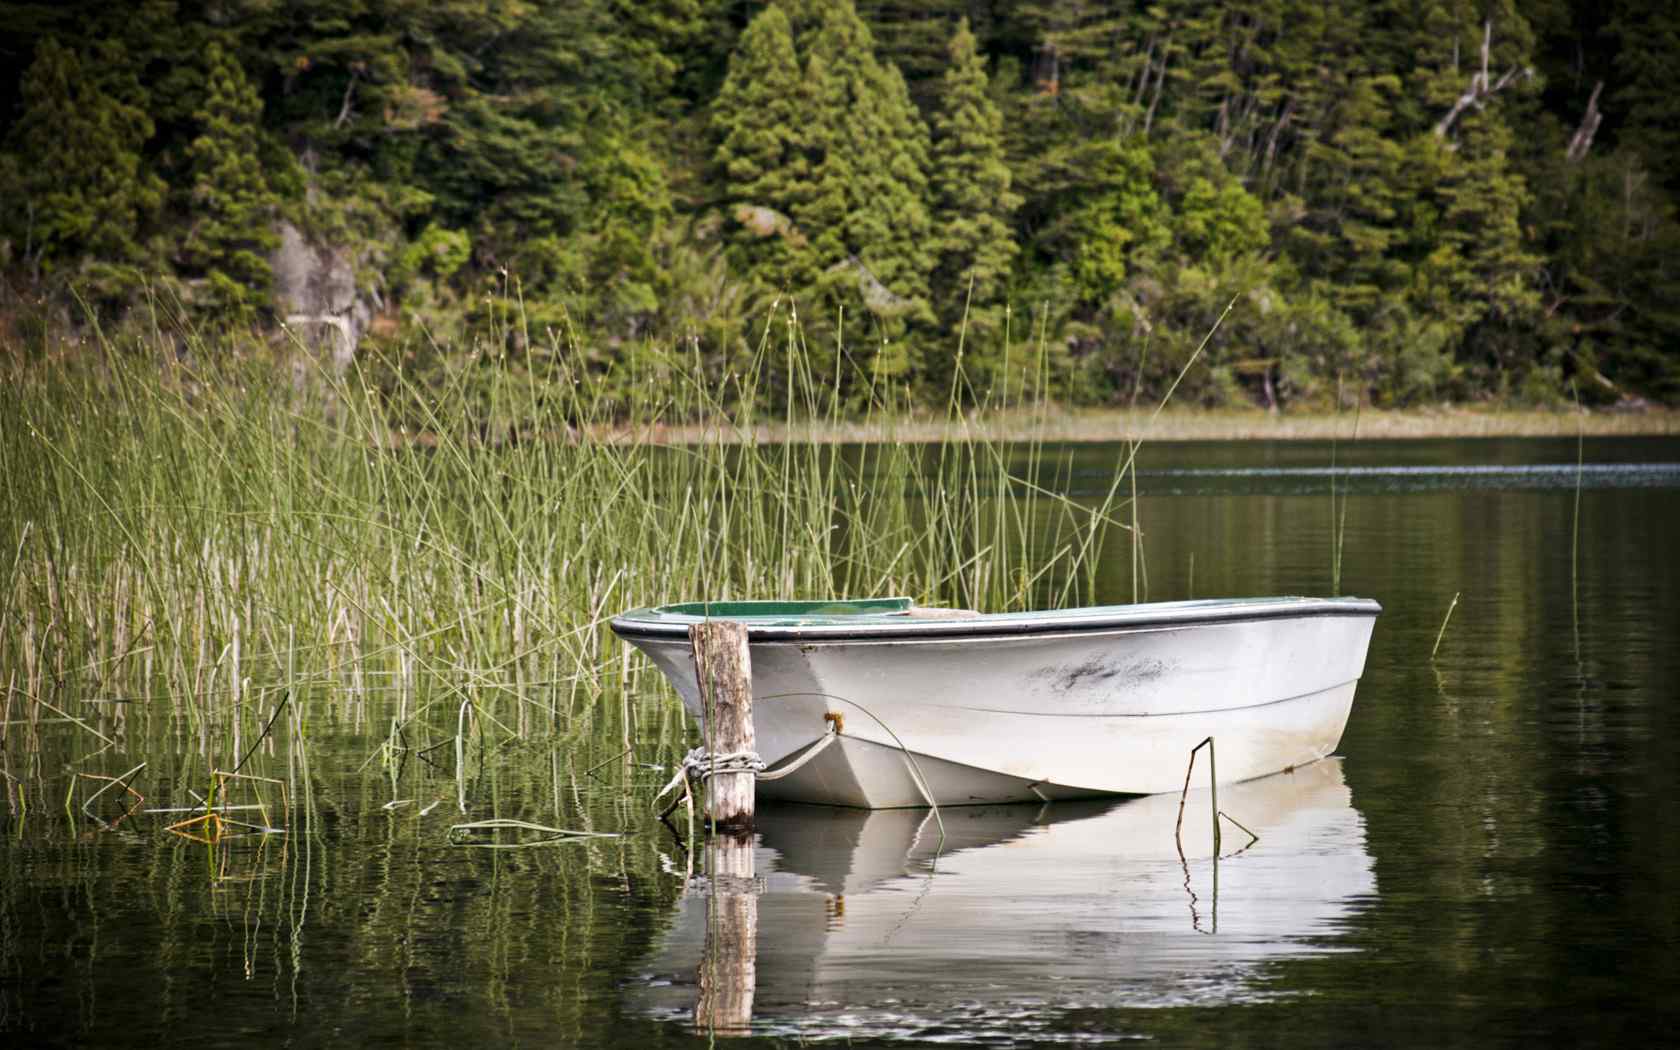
[[1008, 715]]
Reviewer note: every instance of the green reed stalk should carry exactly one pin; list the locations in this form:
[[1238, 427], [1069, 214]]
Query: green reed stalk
[[1442, 632], [1575, 526]]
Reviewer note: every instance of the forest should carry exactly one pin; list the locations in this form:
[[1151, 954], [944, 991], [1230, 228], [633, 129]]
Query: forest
[[1405, 202]]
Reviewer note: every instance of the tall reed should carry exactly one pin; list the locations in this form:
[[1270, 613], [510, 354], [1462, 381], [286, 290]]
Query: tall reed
[[193, 534]]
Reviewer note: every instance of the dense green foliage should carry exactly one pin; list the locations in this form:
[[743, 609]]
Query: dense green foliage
[[1412, 201]]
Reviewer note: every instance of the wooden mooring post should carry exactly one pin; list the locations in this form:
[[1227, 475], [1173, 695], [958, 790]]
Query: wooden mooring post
[[723, 669], [728, 976]]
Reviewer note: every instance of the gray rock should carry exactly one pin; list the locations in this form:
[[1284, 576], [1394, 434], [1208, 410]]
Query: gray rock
[[315, 287]]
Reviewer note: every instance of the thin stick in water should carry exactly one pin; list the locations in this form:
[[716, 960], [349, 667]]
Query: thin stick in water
[[1443, 629], [1213, 786]]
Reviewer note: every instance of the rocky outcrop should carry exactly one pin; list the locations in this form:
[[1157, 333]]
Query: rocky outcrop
[[315, 289]]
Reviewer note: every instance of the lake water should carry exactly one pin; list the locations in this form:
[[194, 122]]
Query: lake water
[[1490, 859]]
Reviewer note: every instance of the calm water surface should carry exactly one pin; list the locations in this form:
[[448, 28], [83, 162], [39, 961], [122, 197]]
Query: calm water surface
[[1492, 858]]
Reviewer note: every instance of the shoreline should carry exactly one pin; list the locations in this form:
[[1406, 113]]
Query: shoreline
[[1091, 426]]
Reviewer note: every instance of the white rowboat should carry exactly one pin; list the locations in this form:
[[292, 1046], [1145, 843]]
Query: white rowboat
[[954, 707]]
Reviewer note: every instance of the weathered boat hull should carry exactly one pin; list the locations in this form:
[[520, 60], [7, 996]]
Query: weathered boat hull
[[1013, 708]]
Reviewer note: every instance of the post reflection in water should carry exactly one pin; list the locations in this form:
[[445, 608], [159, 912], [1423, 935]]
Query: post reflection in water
[[728, 971], [867, 924]]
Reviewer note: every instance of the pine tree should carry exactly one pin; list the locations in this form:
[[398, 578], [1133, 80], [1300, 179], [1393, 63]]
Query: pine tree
[[1217, 220], [914, 35], [1649, 34], [760, 119], [84, 191], [869, 145], [879, 138], [825, 165], [1490, 279], [232, 205], [1473, 274], [973, 206], [1355, 194], [1236, 78], [631, 204], [1116, 220], [889, 224], [1612, 275], [872, 153]]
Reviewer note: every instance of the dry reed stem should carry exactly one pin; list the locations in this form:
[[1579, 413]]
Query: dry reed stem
[[110, 782]]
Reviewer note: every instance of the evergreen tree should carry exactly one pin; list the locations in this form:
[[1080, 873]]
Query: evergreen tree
[[1646, 68], [914, 36], [872, 152], [867, 215], [844, 216], [1355, 193], [1612, 238], [760, 119], [1219, 220], [84, 191], [630, 206], [1115, 219], [1472, 271], [1481, 204], [1080, 150], [885, 146], [232, 205], [973, 206], [1404, 220]]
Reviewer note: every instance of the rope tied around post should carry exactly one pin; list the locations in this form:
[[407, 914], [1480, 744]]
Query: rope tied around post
[[701, 765]]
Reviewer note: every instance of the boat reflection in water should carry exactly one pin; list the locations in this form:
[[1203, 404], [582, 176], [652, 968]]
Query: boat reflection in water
[[865, 924]]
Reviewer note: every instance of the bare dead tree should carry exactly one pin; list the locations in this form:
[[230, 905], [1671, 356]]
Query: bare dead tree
[[344, 111], [1582, 140], [1160, 79], [1143, 73], [1481, 86], [1277, 129]]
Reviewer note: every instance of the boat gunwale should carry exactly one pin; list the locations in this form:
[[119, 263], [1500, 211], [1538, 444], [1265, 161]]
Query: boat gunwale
[[1096, 619]]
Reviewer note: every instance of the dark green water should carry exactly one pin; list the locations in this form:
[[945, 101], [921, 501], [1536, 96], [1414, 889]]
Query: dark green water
[[1492, 859]]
